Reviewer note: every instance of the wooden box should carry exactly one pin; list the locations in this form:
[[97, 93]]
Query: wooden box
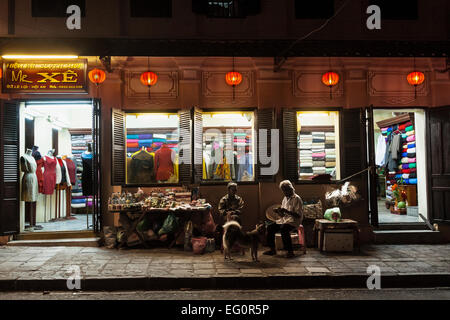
[[339, 240]]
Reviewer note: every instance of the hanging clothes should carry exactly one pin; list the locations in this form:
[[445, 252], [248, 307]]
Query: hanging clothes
[[223, 171], [380, 151], [71, 168], [39, 174], [141, 167]]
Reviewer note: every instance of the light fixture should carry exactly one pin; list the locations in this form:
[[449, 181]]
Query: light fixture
[[330, 79], [148, 78], [28, 116], [415, 78], [97, 76], [233, 78], [24, 56]]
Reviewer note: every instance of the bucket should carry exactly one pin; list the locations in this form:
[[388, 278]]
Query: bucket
[[198, 245]]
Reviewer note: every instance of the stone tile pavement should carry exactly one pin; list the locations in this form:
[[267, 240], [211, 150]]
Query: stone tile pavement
[[56, 263]]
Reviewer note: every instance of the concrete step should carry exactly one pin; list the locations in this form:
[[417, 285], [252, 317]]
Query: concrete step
[[74, 242], [40, 235], [403, 226], [407, 237]]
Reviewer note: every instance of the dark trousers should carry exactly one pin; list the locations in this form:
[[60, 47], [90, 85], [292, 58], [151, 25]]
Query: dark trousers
[[285, 230]]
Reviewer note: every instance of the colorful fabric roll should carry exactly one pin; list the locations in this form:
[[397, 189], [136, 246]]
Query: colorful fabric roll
[[412, 165], [78, 201], [412, 160], [404, 154], [410, 128], [306, 164], [405, 176], [411, 155], [318, 163], [318, 154], [406, 170], [132, 145], [398, 176], [132, 140], [145, 136], [402, 127], [146, 141], [411, 138], [413, 175], [132, 136], [411, 145], [145, 144], [329, 164], [132, 150], [405, 160], [160, 136], [412, 181]]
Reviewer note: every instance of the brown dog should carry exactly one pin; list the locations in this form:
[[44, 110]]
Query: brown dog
[[232, 234]]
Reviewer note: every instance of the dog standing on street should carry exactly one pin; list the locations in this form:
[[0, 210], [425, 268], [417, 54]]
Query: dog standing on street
[[233, 234]]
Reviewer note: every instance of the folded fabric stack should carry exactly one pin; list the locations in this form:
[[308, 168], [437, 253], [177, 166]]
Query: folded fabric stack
[[407, 170], [241, 139], [305, 141]]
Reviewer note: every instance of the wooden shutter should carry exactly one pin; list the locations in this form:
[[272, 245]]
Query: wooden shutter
[[266, 119], [198, 145], [9, 168], [290, 153], [118, 148], [97, 167], [438, 146], [352, 141], [373, 197], [185, 169]]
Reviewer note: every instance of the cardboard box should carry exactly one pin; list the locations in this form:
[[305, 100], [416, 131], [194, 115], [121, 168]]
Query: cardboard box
[[338, 241]]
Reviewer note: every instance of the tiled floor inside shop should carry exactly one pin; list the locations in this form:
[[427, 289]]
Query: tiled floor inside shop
[[385, 215], [77, 222]]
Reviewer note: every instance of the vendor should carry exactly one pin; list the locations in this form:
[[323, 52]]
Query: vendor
[[231, 203], [290, 219]]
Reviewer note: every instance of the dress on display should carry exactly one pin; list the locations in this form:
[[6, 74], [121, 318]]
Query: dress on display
[[71, 168], [164, 158], [39, 175], [86, 176], [49, 175], [29, 180]]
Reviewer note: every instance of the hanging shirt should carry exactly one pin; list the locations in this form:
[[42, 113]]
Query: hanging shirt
[[164, 159], [141, 167], [380, 151]]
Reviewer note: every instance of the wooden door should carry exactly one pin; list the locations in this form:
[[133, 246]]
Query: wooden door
[[438, 147]]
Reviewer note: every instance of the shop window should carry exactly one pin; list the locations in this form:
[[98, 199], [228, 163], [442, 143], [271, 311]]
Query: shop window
[[226, 9], [55, 9], [152, 148], [318, 144], [319, 9], [151, 9], [397, 10], [228, 146]]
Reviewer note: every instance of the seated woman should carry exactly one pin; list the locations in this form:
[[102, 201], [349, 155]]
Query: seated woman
[[231, 204]]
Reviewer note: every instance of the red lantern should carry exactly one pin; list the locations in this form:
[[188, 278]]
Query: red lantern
[[415, 78], [1, 73], [97, 76], [233, 78], [149, 78], [330, 79]]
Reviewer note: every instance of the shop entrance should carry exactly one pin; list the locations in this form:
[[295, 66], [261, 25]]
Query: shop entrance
[[400, 157], [59, 142]]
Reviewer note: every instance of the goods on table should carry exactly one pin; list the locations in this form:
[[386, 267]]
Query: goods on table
[[333, 214]]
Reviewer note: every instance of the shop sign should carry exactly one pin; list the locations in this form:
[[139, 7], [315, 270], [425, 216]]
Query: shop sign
[[60, 76]]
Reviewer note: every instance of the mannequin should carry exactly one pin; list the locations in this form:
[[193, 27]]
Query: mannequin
[[141, 167], [87, 175], [40, 168], [29, 190], [49, 176], [63, 185], [164, 159]]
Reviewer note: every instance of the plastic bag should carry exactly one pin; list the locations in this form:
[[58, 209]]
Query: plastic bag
[[169, 225], [333, 214]]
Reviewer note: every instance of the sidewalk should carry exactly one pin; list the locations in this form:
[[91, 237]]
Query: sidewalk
[[47, 268]]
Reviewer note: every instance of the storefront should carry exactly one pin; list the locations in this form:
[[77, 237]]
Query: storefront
[[197, 116]]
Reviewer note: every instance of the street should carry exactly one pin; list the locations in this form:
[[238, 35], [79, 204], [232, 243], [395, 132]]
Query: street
[[313, 294]]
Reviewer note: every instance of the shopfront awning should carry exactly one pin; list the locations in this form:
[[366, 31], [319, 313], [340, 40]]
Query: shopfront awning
[[238, 48]]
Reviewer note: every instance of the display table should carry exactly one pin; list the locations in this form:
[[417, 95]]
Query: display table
[[322, 225], [184, 215]]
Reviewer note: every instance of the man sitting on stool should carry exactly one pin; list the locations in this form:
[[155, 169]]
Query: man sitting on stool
[[290, 219]]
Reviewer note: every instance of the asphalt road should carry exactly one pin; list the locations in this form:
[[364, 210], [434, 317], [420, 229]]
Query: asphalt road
[[310, 294]]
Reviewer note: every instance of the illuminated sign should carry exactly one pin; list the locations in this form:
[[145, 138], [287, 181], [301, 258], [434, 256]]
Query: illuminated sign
[[45, 76]]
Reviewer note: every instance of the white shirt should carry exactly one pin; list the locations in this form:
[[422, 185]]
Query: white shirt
[[293, 204], [380, 151]]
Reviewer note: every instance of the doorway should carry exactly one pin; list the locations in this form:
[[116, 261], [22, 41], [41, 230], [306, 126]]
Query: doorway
[[400, 161], [64, 140]]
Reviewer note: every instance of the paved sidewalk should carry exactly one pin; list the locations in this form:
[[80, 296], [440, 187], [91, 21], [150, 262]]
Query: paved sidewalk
[[30, 268]]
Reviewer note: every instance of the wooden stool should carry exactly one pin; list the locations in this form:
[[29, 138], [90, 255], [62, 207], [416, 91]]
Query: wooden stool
[[321, 225]]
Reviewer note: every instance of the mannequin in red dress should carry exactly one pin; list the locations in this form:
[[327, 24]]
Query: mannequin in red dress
[[164, 159]]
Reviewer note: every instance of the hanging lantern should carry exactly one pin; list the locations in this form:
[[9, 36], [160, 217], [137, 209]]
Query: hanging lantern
[[97, 76], [149, 78], [415, 78], [233, 78], [1, 73], [330, 79]]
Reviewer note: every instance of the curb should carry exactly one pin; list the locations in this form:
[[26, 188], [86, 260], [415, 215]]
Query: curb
[[224, 283]]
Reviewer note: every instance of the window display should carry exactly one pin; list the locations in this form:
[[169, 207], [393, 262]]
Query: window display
[[152, 148], [318, 145], [228, 149]]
